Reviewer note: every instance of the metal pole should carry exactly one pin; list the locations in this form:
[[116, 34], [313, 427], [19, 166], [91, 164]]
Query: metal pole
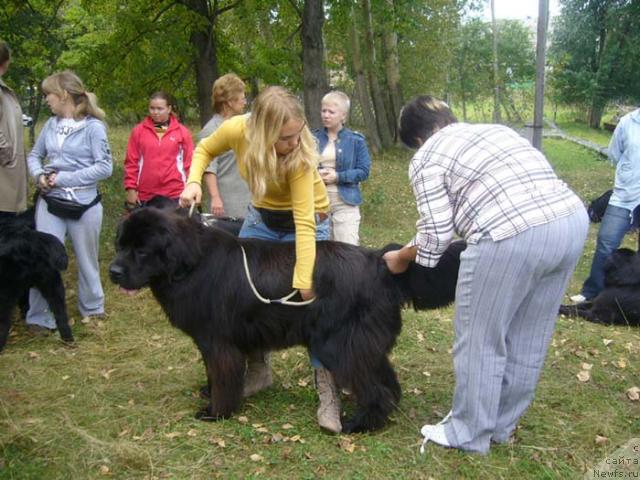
[[543, 21]]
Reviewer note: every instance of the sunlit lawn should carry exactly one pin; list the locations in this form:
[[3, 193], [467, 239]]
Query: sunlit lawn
[[120, 404]]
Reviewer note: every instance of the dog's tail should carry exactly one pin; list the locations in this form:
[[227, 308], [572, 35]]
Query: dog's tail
[[428, 288]]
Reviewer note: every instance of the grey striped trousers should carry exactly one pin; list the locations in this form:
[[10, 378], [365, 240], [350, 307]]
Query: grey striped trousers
[[507, 301]]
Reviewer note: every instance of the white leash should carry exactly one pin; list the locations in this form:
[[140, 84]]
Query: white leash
[[282, 301]]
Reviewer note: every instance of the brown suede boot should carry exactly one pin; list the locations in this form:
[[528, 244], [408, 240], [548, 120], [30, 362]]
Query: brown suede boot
[[329, 409], [258, 374]]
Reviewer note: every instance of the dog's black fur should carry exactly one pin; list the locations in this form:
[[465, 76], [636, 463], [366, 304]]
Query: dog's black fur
[[619, 301], [29, 258], [196, 273]]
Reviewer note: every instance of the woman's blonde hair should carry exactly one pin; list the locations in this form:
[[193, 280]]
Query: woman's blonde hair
[[274, 107], [225, 89], [67, 84]]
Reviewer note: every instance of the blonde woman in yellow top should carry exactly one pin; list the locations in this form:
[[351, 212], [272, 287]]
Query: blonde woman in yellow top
[[277, 156]]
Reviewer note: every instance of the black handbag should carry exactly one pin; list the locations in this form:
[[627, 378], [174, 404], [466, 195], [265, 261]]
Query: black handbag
[[63, 208], [598, 206], [280, 220]]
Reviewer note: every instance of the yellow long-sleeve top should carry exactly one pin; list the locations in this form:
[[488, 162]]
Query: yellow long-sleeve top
[[303, 192]]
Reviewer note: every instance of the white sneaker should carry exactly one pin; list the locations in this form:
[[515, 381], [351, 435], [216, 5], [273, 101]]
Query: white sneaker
[[579, 298], [435, 434]]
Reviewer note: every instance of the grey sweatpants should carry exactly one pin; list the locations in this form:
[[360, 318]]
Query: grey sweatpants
[[507, 301], [85, 238]]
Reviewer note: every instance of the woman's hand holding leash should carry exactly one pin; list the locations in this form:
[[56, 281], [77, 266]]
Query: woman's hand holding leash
[[192, 194]]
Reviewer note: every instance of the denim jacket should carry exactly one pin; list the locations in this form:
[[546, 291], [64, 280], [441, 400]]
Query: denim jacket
[[624, 153], [352, 162]]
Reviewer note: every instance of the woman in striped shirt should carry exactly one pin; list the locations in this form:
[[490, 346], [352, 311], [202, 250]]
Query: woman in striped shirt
[[525, 230]]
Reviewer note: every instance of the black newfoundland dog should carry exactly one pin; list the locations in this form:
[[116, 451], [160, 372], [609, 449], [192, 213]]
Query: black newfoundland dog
[[619, 302], [29, 258], [197, 275]]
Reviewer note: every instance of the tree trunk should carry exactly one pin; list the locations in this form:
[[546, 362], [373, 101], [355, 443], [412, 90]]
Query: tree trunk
[[206, 64], [370, 63], [204, 41], [362, 91], [314, 73], [496, 73], [595, 114], [392, 67], [538, 113]]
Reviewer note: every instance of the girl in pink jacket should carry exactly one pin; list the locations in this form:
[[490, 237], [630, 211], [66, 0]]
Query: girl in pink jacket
[[158, 154]]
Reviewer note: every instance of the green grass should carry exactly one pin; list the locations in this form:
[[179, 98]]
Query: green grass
[[120, 403]]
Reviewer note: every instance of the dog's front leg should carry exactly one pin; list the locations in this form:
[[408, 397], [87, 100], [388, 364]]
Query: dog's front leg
[[225, 374]]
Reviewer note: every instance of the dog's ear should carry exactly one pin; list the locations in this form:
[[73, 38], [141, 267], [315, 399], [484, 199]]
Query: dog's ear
[[184, 251]]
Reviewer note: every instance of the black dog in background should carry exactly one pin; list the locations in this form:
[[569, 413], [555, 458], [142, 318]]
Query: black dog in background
[[197, 275], [29, 258], [619, 301]]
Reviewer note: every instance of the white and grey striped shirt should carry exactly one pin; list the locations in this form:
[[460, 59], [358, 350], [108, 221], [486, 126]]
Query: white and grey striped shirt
[[477, 179]]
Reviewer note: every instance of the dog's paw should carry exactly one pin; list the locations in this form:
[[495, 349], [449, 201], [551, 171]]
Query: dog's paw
[[66, 335], [204, 415]]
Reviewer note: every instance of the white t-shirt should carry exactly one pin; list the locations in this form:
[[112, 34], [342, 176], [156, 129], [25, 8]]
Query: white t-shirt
[[64, 128]]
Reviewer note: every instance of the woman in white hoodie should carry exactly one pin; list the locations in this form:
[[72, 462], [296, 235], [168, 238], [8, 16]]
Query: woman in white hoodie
[[74, 144]]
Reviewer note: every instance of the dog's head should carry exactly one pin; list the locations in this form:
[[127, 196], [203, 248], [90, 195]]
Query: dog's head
[[154, 245], [622, 268]]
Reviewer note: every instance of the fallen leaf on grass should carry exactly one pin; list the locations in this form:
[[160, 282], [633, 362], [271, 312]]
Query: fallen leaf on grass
[[218, 441], [66, 377], [420, 337], [303, 382], [34, 355], [416, 391], [633, 394], [107, 373], [297, 438], [584, 376], [192, 433], [287, 426], [277, 437], [426, 374], [262, 430], [607, 341], [586, 366], [243, 419], [256, 458], [173, 435], [600, 440], [124, 432], [346, 445], [621, 363], [104, 470]]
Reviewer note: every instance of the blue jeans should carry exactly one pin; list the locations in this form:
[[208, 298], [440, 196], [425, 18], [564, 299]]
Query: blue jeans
[[616, 223], [254, 227]]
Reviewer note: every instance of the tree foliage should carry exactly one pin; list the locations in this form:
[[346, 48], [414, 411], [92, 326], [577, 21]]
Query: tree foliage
[[594, 55]]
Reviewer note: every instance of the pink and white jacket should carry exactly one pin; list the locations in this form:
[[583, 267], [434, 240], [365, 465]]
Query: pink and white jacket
[[158, 166]]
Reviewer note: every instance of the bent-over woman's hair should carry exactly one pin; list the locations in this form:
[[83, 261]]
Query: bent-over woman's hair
[[67, 84], [225, 89], [422, 117], [274, 107]]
